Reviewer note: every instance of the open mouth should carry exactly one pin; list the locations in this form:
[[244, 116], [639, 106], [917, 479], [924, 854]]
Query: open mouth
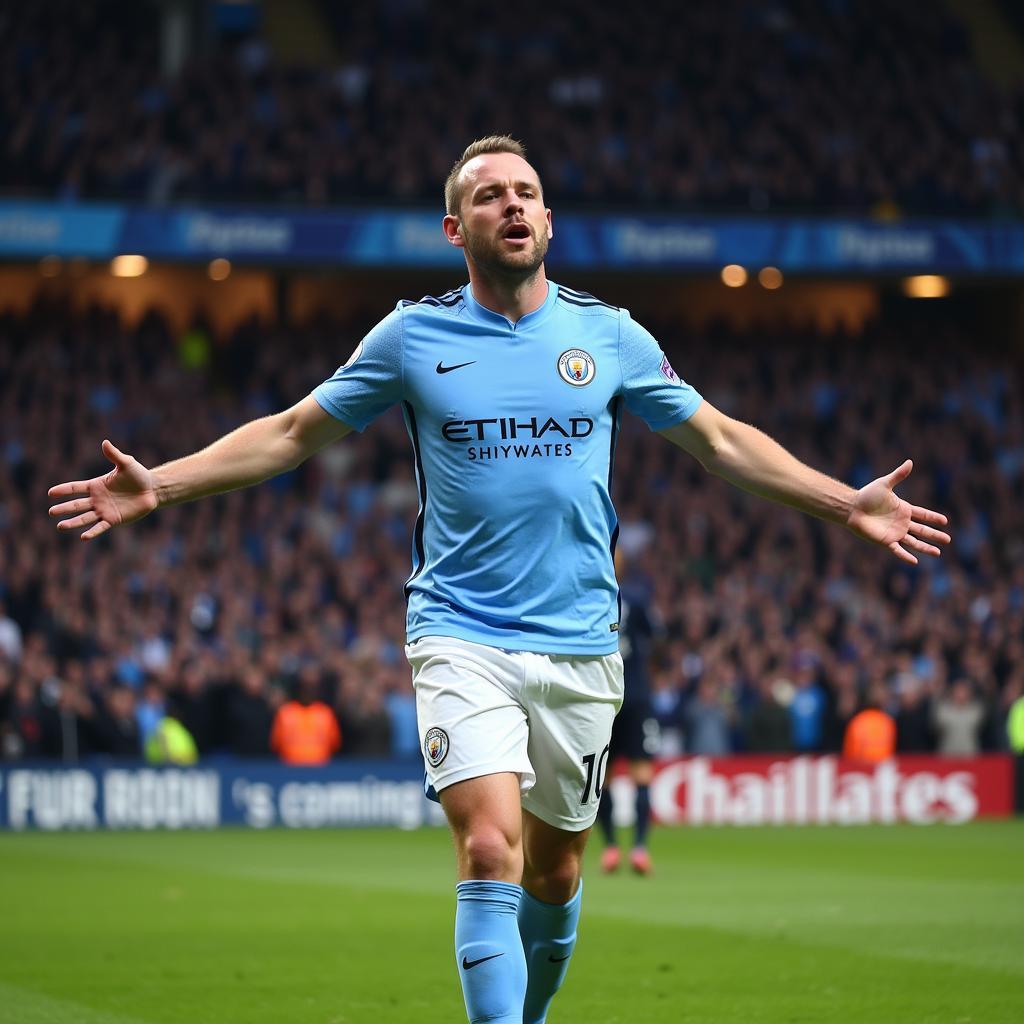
[[517, 231]]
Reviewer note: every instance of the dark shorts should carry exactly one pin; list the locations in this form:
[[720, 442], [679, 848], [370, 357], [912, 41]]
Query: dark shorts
[[635, 732]]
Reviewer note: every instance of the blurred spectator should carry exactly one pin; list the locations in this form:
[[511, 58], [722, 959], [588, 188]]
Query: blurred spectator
[[914, 719], [768, 729], [367, 724], [70, 716], [807, 710], [1015, 725], [958, 720], [193, 705], [871, 733], [401, 707], [305, 730], [116, 727], [250, 716], [23, 737], [707, 723], [10, 637], [171, 743], [669, 709], [1010, 716], [150, 710]]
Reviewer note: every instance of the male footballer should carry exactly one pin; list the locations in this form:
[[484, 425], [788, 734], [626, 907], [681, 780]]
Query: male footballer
[[512, 388]]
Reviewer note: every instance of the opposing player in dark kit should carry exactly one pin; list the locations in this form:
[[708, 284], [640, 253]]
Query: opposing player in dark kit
[[635, 733]]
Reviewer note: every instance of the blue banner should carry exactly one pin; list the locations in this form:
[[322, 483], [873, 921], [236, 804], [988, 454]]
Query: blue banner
[[257, 794], [413, 238]]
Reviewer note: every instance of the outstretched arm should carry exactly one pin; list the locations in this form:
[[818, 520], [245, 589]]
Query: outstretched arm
[[746, 457], [252, 453]]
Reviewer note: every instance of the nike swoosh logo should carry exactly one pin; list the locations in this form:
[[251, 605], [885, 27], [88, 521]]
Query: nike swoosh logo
[[448, 369], [559, 959], [468, 965]]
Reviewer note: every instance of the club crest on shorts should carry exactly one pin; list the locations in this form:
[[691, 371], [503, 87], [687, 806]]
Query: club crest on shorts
[[435, 746], [576, 367]]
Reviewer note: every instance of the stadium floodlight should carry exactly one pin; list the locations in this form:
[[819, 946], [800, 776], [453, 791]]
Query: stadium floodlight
[[219, 269], [129, 265], [926, 286], [770, 278], [734, 276]]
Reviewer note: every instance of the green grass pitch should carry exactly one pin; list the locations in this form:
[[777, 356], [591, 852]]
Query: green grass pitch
[[756, 926]]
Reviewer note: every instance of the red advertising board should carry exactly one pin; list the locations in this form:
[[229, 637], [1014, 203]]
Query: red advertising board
[[831, 791]]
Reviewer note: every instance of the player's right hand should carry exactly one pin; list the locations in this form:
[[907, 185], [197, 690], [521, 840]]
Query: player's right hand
[[122, 496]]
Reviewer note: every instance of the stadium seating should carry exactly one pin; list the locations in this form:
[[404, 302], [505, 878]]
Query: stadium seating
[[217, 608]]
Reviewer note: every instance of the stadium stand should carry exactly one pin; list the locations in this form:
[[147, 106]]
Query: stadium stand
[[786, 105], [218, 609]]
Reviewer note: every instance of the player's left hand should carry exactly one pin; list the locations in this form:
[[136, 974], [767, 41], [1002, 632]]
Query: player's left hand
[[881, 517]]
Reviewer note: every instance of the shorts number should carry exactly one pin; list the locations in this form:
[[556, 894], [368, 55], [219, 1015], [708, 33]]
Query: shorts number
[[596, 768]]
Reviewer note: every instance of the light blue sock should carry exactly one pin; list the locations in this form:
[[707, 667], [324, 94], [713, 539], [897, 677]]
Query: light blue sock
[[548, 931], [489, 952]]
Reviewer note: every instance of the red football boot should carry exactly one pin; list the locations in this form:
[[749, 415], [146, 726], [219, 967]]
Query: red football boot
[[640, 861], [610, 860]]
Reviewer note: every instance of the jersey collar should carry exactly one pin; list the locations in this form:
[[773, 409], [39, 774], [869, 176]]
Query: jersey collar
[[488, 316]]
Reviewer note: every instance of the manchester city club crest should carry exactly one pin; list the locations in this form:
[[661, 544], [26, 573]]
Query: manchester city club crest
[[435, 746], [576, 367]]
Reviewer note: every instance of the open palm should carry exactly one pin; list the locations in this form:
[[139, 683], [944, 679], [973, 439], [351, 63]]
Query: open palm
[[882, 517], [123, 495]]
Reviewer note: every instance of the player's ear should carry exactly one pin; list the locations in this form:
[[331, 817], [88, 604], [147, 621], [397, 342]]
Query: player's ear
[[453, 231], [551, 227]]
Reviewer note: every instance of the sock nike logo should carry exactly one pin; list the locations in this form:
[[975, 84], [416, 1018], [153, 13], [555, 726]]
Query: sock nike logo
[[458, 366], [558, 959], [468, 965]]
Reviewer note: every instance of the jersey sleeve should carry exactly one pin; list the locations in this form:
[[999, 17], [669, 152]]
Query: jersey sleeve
[[651, 388], [371, 381]]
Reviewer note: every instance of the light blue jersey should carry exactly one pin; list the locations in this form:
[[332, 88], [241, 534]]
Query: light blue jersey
[[513, 428]]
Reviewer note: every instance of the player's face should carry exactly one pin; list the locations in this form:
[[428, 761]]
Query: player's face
[[504, 224]]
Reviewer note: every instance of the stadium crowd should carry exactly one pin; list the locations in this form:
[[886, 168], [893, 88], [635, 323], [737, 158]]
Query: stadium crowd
[[763, 106], [777, 628]]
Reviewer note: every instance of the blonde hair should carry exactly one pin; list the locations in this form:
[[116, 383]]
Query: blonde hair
[[490, 144]]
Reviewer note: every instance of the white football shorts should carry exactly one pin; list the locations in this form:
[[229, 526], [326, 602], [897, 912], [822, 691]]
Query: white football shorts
[[546, 717]]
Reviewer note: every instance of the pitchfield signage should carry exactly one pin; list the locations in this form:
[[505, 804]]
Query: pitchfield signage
[[830, 791], [259, 794], [413, 238], [347, 794]]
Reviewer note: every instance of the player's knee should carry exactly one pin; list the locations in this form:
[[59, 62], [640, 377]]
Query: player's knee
[[487, 853], [554, 882]]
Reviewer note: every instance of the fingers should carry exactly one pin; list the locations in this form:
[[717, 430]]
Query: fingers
[[101, 527], [901, 553], [72, 487], [67, 508], [86, 519], [926, 515], [927, 533], [899, 474], [919, 545], [116, 456]]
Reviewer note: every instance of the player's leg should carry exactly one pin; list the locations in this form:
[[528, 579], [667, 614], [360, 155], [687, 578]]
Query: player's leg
[[475, 738], [572, 703], [550, 910], [642, 771], [486, 823]]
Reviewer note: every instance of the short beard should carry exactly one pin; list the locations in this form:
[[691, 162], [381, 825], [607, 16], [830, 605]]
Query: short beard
[[515, 267]]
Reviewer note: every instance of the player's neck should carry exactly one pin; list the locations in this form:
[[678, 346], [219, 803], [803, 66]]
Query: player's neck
[[512, 299]]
